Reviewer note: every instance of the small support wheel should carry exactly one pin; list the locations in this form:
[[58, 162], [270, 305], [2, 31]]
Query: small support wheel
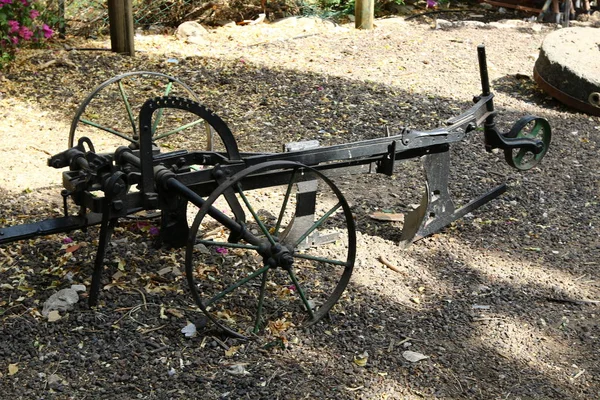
[[529, 127], [287, 266]]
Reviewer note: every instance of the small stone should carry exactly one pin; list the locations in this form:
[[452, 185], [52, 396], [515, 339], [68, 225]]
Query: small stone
[[413, 356], [190, 29], [62, 300], [443, 24], [78, 288]]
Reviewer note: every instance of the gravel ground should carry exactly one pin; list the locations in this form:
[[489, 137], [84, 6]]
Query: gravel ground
[[503, 303]]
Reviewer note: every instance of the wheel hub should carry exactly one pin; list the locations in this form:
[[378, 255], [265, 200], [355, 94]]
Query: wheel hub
[[276, 255]]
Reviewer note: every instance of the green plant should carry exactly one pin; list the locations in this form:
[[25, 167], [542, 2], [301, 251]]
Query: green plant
[[20, 26]]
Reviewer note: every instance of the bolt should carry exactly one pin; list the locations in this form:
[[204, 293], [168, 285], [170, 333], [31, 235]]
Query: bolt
[[118, 205], [287, 260], [219, 174], [271, 262]]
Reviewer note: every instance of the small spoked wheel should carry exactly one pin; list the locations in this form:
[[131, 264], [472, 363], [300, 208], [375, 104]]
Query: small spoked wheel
[[267, 260], [109, 115], [529, 127]]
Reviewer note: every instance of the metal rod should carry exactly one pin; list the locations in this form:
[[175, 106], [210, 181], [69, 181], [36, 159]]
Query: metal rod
[[301, 293], [319, 259], [160, 112], [128, 107], [227, 244], [261, 299], [176, 130], [236, 285], [104, 128], [262, 226], [483, 71], [317, 224], [220, 217], [285, 202]]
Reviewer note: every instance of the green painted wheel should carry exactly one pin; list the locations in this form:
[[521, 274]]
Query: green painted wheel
[[291, 263], [529, 127], [109, 115]]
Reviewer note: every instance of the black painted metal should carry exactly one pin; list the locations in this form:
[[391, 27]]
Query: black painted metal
[[167, 181]]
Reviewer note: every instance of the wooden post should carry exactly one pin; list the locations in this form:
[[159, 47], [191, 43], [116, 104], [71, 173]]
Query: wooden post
[[364, 13], [120, 17]]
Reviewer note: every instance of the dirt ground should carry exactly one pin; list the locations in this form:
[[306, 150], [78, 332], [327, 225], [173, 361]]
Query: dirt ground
[[503, 304]]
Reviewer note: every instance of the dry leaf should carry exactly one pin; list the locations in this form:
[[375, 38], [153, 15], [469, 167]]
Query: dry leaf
[[175, 313], [383, 216], [361, 359], [53, 316], [12, 369], [74, 248], [231, 351]]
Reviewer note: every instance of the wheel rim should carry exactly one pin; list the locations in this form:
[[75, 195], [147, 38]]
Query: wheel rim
[[109, 115], [274, 278], [528, 128]]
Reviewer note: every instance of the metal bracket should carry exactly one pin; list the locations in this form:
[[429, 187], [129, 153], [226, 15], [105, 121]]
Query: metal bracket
[[306, 200], [437, 208]]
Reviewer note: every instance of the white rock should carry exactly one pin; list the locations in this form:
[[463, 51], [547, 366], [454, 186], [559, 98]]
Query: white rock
[[78, 288], [196, 40], [471, 24], [62, 300], [190, 29], [189, 330], [413, 356], [443, 24], [237, 369]]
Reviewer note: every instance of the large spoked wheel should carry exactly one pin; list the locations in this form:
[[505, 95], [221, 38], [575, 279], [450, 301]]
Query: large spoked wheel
[[108, 116], [286, 259], [529, 127]]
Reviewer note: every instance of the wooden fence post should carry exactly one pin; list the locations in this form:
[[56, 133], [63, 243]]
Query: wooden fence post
[[120, 17], [364, 13]]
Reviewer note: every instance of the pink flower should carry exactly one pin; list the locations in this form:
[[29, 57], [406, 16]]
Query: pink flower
[[153, 230], [67, 240], [25, 33], [33, 14], [14, 39], [221, 250], [47, 31], [25, 2], [13, 26], [431, 4], [4, 2]]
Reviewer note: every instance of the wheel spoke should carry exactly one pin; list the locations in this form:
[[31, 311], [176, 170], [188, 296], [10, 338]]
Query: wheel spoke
[[301, 293], [128, 107], [179, 129], [107, 129], [534, 131], [236, 285], [285, 201], [262, 226], [317, 224], [320, 259], [159, 113], [227, 244], [261, 299]]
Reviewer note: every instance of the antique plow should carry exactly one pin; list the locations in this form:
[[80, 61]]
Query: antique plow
[[273, 239]]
